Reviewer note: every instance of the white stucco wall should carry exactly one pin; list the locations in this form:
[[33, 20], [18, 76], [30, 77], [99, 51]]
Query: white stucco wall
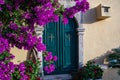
[[101, 36]]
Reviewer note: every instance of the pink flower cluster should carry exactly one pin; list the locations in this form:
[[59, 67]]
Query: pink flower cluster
[[70, 12], [4, 45], [49, 60]]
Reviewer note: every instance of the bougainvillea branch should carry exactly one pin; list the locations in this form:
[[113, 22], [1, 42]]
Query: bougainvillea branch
[[17, 28], [18, 17]]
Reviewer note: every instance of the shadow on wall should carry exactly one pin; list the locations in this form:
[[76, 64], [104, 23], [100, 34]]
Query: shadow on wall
[[102, 59], [89, 16]]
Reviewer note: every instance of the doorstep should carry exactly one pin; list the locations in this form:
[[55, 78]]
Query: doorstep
[[58, 77]]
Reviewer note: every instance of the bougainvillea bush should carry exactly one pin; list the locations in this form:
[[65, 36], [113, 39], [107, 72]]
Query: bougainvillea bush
[[18, 19]]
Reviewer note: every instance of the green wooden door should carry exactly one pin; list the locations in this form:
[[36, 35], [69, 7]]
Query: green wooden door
[[61, 40]]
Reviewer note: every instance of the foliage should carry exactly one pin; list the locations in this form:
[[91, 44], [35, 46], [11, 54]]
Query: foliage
[[4, 45], [6, 56], [114, 58], [90, 71], [19, 72], [28, 70], [33, 68], [6, 67], [18, 20]]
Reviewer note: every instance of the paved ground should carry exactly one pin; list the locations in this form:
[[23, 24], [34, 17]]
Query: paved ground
[[111, 74]]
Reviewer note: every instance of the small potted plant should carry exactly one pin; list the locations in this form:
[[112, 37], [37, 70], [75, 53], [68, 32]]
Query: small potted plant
[[95, 69], [82, 74], [98, 72], [85, 73], [90, 71], [90, 67]]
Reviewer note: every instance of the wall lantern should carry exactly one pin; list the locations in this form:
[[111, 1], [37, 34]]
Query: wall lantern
[[102, 12]]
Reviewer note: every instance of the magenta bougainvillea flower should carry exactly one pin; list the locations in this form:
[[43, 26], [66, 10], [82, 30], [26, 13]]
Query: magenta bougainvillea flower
[[50, 68], [4, 45], [2, 1], [17, 28]]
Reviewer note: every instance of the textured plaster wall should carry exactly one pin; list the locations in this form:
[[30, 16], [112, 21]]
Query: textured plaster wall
[[101, 36], [20, 55]]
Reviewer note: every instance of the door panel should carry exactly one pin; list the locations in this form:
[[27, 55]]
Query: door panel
[[51, 38], [70, 47], [61, 40]]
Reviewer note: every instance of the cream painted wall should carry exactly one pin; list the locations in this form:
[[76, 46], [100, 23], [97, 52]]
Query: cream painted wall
[[101, 36], [20, 55]]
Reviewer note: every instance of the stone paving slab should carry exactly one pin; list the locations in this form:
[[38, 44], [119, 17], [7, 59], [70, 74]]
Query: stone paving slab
[[111, 74]]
